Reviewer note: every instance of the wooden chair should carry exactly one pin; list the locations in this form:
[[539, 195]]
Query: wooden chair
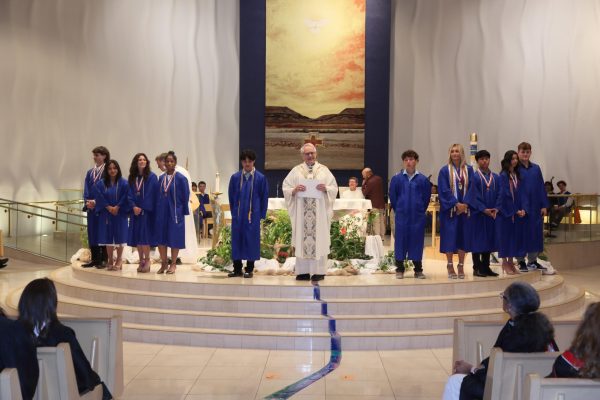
[[507, 372], [226, 209], [57, 376], [10, 388], [207, 220], [538, 388]]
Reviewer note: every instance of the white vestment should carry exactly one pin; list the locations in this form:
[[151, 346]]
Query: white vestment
[[189, 255], [352, 194], [311, 218]]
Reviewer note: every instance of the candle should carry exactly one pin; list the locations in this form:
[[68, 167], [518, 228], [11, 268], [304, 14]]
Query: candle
[[473, 148], [217, 183]]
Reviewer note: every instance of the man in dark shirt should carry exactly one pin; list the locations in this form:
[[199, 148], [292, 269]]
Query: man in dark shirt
[[372, 189]]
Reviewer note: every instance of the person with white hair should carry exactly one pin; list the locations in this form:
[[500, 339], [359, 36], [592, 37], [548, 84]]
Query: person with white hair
[[310, 212]]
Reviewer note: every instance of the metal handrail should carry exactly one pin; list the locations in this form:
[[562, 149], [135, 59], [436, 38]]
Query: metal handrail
[[44, 216], [4, 202]]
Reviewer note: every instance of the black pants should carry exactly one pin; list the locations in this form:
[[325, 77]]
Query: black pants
[[99, 254], [237, 266], [418, 265], [481, 261]]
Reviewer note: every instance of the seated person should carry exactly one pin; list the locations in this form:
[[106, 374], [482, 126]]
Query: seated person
[[352, 193], [17, 350], [37, 312], [562, 206], [527, 331], [582, 359]]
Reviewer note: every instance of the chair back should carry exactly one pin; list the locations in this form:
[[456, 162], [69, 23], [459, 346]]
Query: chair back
[[538, 388]]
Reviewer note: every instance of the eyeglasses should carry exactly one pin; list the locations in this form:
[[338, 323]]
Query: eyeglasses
[[503, 296]]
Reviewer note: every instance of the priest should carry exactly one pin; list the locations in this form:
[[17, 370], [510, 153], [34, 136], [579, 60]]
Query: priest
[[310, 190], [249, 198]]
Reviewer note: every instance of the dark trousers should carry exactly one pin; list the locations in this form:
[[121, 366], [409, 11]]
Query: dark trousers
[[481, 261], [237, 265], [418, 265], [99, 254]]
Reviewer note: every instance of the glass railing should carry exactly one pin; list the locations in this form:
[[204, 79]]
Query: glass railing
[[52, 229], [572, 218]]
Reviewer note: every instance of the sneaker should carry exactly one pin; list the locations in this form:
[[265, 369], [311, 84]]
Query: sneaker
[[399, 275], [419, 275], [523, 266], [536, 265]]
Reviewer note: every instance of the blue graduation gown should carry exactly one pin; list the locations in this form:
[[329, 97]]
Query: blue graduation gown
[[509, 226], [92, 215], [112, 229], [171, 207], [245, 235], [141, 227], [482, 228], [409, 200], [533, 186], [453, 228]]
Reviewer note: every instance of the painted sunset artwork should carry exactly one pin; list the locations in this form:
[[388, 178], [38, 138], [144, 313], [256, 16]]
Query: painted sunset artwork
[[315, 81]]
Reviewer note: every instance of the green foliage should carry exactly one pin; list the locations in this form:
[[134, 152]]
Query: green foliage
[[276, 238], [84, 239], [220, 256], [346, 242], [387, 262]]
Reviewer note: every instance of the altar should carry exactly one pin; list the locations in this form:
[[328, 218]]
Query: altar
[[278, 203]]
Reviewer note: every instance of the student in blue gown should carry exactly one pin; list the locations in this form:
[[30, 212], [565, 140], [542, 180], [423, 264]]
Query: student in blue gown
[[482, 198], [112, 207], [511, 206], [410, 192], [101, 156], [249, 198], [453, 183], [204, 200], [537, 203], [143, 190], [172, 206]]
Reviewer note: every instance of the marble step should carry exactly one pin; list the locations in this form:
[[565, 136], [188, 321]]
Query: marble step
[[548, 287], [188, 281]]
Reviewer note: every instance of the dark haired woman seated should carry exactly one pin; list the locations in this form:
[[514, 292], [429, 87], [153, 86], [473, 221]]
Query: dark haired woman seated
[[17, 350], [37, 312], [582, 359], [527, 331]]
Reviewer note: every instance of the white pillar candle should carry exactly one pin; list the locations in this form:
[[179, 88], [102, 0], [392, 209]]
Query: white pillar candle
[[217, 183]]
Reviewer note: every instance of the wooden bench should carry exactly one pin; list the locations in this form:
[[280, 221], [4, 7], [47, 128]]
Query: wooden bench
[[10, 388], [538, 388], [102, 343], [473, 340], [507, 372], [57, 376]]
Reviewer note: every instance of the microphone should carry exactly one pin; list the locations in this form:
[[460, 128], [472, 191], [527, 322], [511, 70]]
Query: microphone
[[551, 180]]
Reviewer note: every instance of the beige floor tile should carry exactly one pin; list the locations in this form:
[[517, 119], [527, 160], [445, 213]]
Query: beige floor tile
[[222, 387], [445, 352], [401, 364], [153, 397], [174, 372], [410, 354], [366, 359], [347, 397], [281, 357], [288, 372], [239, 357], [141, 348], [412, 390], [305, 397], [358, 388], [220, 397], [268, 387], [417, 375], [178, 350], [249, 373], [185, 360], [158, 387], [130, 372], [356, 373], [137, 359]]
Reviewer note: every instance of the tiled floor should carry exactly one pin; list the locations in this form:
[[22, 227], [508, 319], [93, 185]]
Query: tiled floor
[[155, 372]]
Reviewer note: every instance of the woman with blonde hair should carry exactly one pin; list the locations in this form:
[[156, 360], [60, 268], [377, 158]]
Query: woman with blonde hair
[[582, 359], [453, 183]]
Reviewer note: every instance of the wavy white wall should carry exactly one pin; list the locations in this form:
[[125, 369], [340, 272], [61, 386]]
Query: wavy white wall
[[511, 70], [132, 75]]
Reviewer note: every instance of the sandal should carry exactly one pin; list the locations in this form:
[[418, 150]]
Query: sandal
[[508, 268], [451, 273], [461, 271], [172, 269], [118, 266], [146, 266], [163, 268]]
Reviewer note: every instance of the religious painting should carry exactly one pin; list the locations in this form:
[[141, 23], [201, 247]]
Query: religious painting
[[315, 82]]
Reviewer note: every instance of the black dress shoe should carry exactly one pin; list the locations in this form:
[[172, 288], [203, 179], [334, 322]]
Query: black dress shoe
[[303, 277], [178, 261], [235, 274], [3, 265], [248, 274], [523, 266], [316, 278], [488, 271], [3, 260], [480, 274], [100, 266], [89, 264]]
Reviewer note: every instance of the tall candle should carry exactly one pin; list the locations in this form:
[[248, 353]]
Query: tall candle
[[217, 183], [473, 148]]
